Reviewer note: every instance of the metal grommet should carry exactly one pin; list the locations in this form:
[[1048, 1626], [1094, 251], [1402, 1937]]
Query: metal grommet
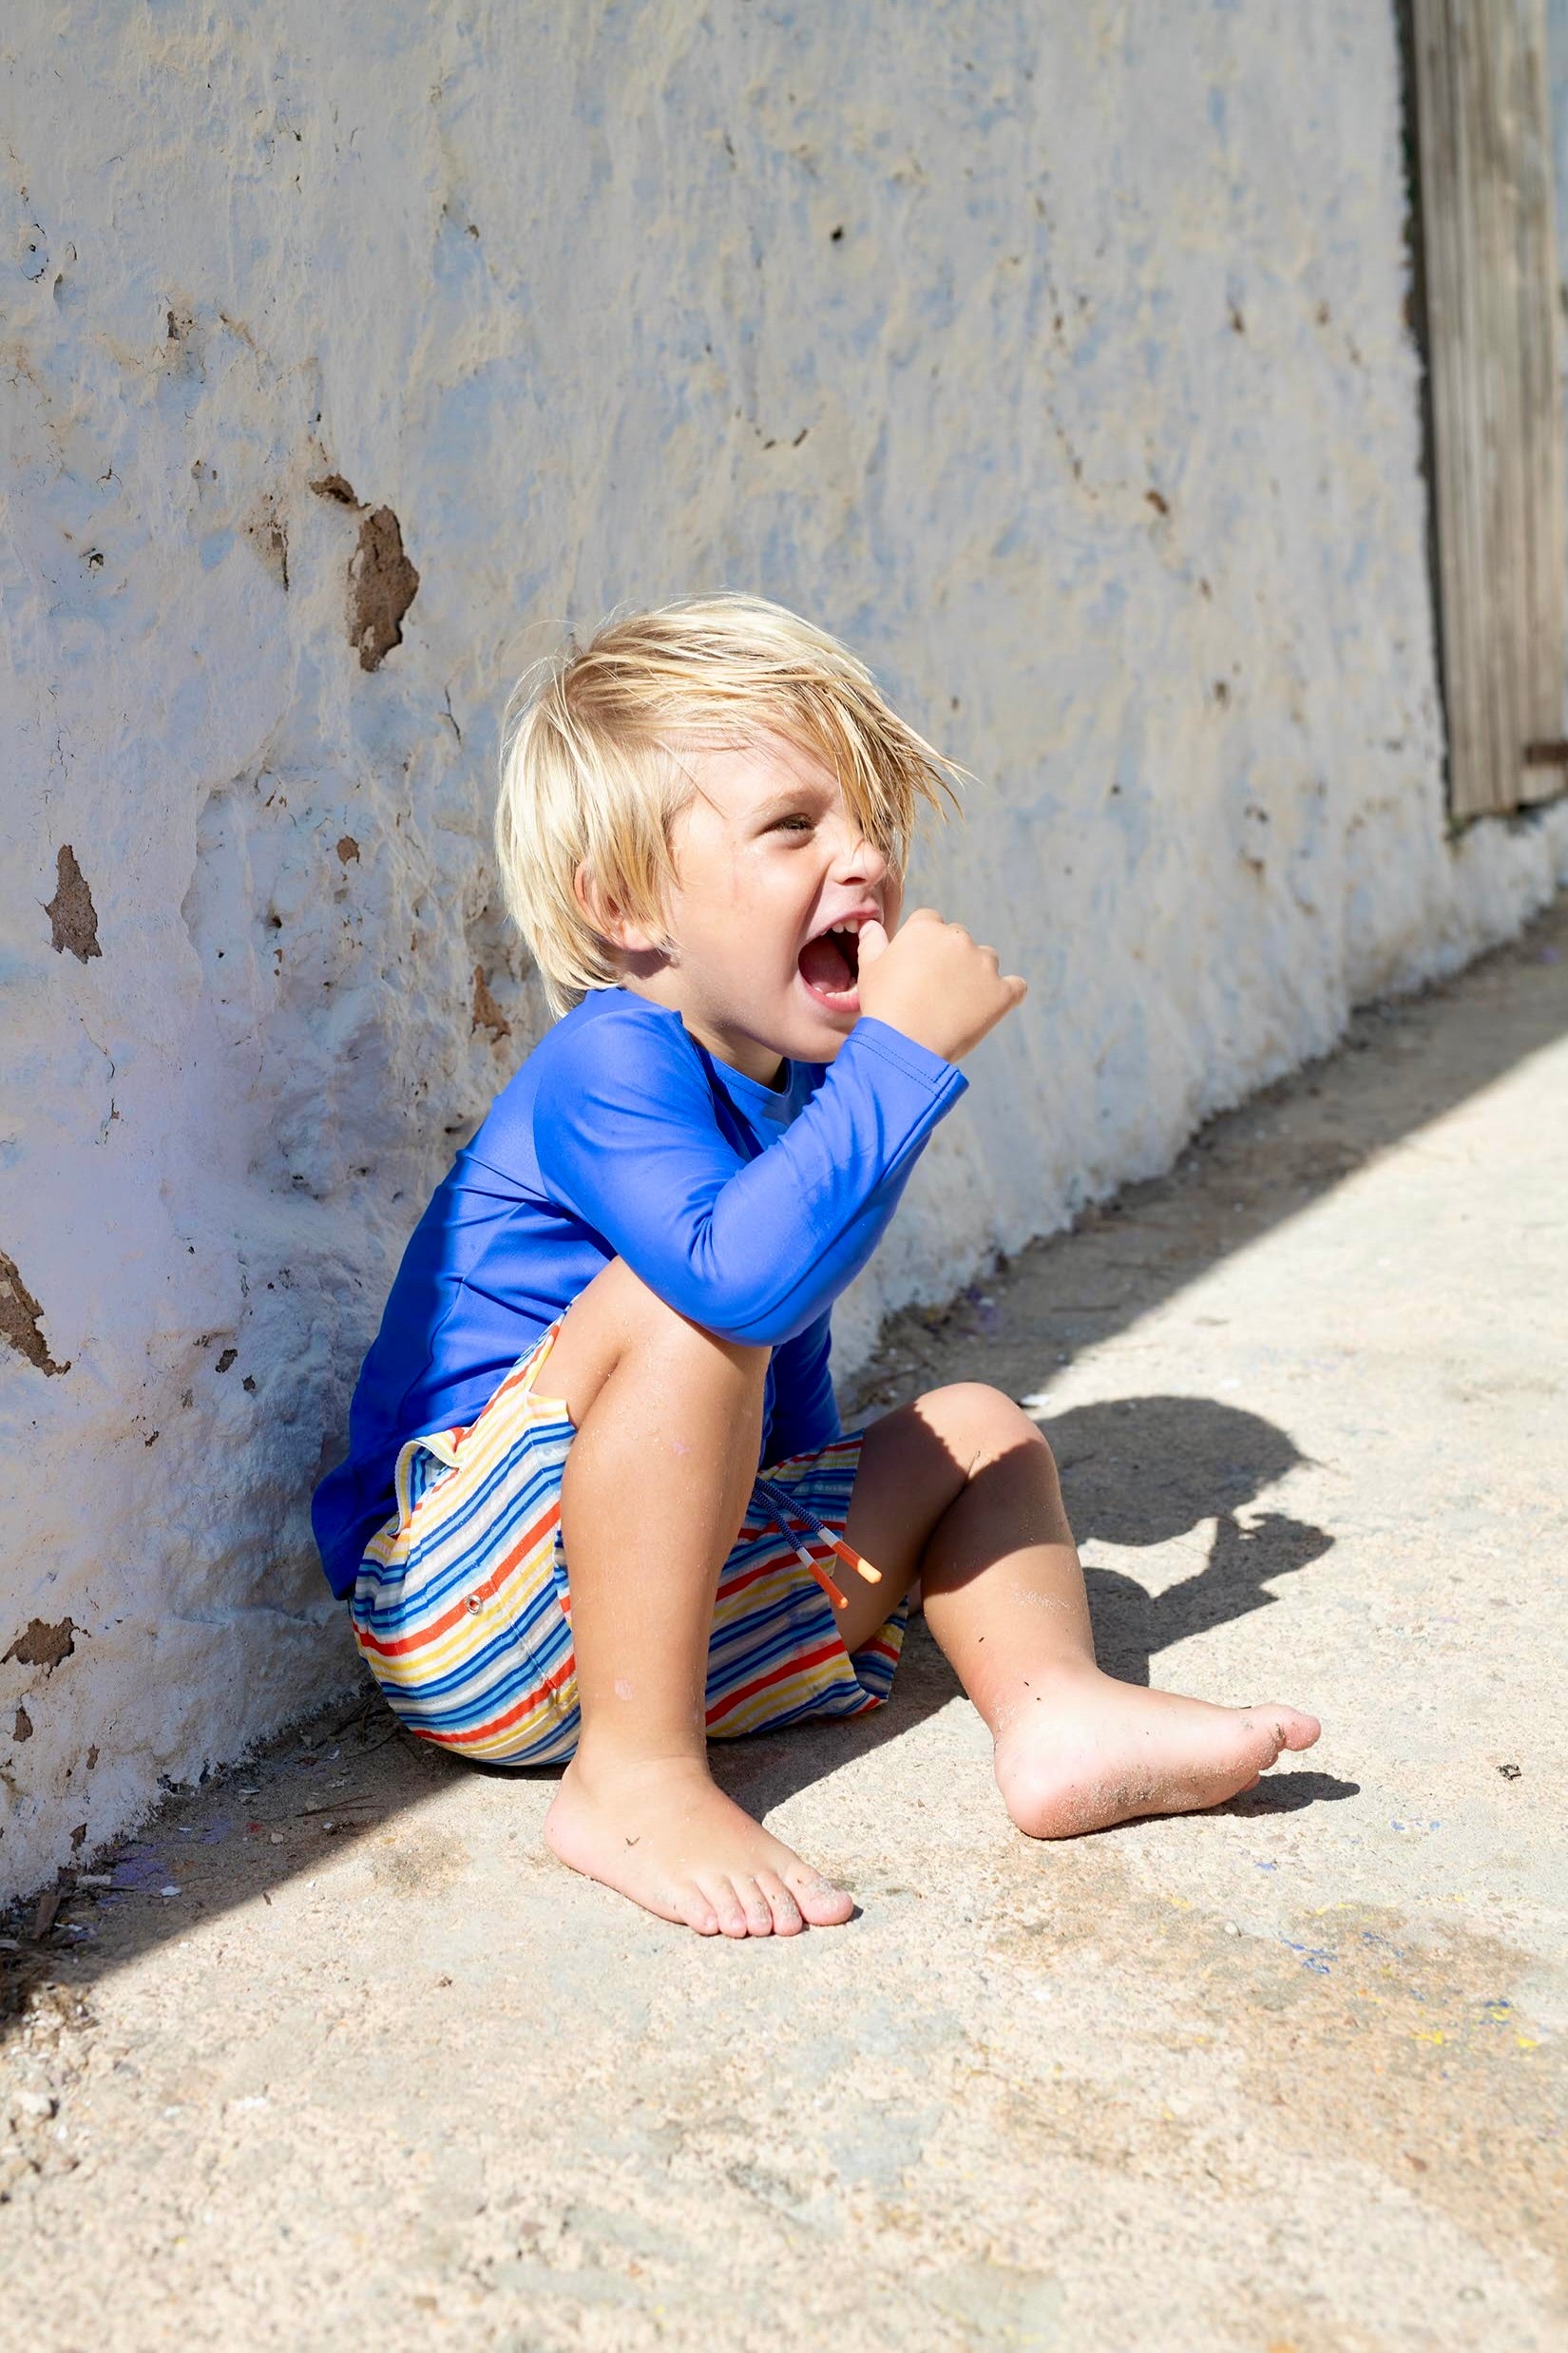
[[474, 1603]]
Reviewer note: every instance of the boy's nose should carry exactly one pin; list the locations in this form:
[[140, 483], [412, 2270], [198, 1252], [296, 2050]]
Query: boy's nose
[[857, 859]]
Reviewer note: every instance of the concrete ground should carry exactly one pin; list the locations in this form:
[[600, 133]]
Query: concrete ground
[[340, 2055]]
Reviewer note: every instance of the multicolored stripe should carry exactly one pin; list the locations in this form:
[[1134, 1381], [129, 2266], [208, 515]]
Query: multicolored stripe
[[463, 1604]]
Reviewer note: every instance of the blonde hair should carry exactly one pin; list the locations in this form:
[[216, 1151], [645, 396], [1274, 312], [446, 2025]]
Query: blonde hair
[[590, 766]]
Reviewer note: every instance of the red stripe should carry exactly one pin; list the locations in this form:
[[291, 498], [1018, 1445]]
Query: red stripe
[[777, 1675], [753, 1576], [544, 1689], [449, 1620], [782, 1557], [777, 1560]]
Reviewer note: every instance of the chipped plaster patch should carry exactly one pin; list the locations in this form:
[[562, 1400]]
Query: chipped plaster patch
[[382, 585], [486, 1013], [40, 1644], [21, 1318], [73, 918]]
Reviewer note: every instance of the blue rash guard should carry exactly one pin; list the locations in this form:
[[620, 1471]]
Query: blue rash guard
[[748, 1209]]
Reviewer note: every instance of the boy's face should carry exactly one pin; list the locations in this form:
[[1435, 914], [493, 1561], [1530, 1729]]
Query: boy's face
[[768, 858]]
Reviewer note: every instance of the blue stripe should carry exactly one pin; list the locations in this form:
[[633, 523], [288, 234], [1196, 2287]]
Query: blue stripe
[[531, 1499], [788, 1616], [539, 1487]]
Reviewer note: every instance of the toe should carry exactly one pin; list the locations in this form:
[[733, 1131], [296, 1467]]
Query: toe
[[821, 1902], [1282, 1728], [689, 1903], [758, 1911], [730, 1911], [786, 1911]]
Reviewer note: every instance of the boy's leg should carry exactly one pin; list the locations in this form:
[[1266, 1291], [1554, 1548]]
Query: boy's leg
[[960, 1489], [668, 1421]]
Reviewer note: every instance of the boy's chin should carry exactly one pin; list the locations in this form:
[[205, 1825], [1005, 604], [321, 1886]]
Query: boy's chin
[[824, 1026]]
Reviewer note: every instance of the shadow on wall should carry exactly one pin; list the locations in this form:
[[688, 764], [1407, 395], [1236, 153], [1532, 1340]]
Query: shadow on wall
[[1138, 1471]]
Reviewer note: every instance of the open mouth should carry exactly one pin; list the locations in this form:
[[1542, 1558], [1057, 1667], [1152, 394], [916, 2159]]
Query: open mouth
[[829, 965]]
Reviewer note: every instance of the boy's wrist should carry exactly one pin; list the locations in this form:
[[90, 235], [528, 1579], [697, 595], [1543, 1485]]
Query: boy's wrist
[[906, 1051]]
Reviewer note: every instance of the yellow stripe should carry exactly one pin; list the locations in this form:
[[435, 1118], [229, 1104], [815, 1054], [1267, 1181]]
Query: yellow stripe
[[775, 1701], [476, 1627], [480, 1449]]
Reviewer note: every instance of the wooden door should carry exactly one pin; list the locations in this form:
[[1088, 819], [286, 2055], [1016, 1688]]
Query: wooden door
[[1489, 250]]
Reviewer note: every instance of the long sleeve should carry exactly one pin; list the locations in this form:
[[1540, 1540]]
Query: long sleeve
[[628, 1137], [805, 1411]]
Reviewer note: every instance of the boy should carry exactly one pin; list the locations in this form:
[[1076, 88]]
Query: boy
[[553, 1524]]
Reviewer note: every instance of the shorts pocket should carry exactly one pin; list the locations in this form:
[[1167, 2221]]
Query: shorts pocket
[[458, 1611]]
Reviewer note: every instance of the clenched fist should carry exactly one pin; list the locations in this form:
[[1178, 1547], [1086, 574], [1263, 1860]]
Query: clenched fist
[[934, 984]]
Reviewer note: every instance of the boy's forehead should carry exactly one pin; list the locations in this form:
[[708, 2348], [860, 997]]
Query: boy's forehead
[[737, 778]]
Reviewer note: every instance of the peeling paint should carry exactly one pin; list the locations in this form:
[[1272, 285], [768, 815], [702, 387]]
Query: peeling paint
[[42, 1645], [73, 918], [21, 1318], [486, 1013], [335, 488], [382, 585]]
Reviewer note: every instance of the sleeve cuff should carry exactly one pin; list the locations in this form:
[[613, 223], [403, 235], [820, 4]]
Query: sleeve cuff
[[906, 1054]]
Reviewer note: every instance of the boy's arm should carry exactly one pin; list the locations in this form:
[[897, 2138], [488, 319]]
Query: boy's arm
[[626, 1137], [805, 1409]]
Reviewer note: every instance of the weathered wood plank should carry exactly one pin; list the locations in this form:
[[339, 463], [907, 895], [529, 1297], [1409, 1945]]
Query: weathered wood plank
[[1489, 250]]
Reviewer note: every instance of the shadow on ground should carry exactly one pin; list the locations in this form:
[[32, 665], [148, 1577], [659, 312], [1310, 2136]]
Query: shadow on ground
[[1136, 1471]]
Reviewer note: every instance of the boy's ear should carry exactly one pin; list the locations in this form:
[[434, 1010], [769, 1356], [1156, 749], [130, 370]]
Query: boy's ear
[[606, 915]]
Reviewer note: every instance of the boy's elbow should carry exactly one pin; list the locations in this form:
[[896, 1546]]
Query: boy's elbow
[[758, 1321], [757, 1332]]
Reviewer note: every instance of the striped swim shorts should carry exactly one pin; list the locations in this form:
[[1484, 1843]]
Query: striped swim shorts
[[463, 1603]]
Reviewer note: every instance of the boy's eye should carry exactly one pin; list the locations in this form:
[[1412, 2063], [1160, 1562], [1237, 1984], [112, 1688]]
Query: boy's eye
[[799, 822]]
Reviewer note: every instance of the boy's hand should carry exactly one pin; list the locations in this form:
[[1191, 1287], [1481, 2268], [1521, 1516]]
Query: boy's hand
[[931, 982]]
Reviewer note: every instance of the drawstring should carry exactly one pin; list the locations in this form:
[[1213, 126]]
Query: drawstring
[[783, 1502]]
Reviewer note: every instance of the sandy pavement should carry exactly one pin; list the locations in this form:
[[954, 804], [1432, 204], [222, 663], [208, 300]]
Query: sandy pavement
[[334, 2053]]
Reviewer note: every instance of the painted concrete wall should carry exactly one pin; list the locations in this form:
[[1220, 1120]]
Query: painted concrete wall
[[1055, 356]]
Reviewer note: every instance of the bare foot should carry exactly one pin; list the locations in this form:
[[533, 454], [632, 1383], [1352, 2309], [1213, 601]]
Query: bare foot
[[1082, 1751], [663, 1834]]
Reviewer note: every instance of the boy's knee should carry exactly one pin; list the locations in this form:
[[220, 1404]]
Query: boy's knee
[[978, 1422]]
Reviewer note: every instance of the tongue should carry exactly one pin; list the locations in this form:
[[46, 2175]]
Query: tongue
[[824, 966]]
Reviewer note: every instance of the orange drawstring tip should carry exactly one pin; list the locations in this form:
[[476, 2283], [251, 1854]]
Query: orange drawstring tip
[[783, 1504], [835, 1593], [861, 1567]]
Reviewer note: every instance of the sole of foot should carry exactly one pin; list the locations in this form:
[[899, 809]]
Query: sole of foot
[[1098, 1752], [665, 1837]]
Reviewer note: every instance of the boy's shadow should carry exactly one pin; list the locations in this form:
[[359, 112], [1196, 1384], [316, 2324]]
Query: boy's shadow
[[1144, 1471], [1139, 1471]]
